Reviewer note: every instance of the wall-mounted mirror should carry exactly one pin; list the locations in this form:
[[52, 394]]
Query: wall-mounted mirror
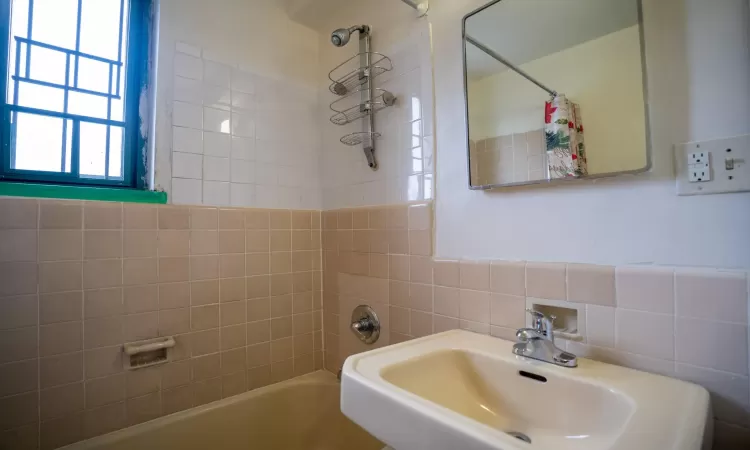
[[555, 90]]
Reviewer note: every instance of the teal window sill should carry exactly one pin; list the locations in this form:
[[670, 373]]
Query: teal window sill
[[101, 194]]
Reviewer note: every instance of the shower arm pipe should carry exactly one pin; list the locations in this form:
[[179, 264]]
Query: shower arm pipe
[[510, 65], [422, 6]]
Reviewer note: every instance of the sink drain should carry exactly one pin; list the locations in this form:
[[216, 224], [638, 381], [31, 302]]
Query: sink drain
[[520, 436]]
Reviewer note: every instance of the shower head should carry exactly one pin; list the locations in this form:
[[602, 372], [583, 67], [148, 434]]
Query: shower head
[[341, 37]]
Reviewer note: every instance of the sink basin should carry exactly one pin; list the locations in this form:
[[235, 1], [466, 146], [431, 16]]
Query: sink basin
[[460, 390]]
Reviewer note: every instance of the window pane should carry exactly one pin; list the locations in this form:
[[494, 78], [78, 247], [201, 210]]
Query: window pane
[[41, 97], [100, 27], [55, 22], [115, 152], [35, 150], [93, 75], [93, 145], [87, 105], [46, 65]]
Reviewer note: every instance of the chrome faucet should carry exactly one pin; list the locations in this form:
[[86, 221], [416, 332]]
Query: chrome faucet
[[539, 342]]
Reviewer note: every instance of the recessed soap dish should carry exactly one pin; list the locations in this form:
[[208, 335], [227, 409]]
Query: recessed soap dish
[[141, 354], [570, 318]]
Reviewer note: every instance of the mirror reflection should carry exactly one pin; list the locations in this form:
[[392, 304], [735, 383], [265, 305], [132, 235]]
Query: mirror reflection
[[555, 90]]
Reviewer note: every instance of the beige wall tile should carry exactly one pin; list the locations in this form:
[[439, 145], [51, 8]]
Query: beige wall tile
[[282, 349], [600, 325], [361, 241], [174, 295], [420, 243], [139, 271], [258, 309], [137, 327], [508, 277], [103, 302], [60, 307], [60, 245], [60, 431], [446, 301], [102, 216], [645, 289], [18, 344], [303, 302], [360, 219], [315, 220], [715, 345], [398, 267], [257, 241], [420, 297], [23, 408], [104, 419], [420, 269], [174, 321], [99, 244], [282, 305], [204, 242], [61, 400], [60, 215], [232, 289], [258, 355], [281, 241], [140, 243], [329, 220], [177, 399], [301, 240], [138, 299], [507, 311], [207, 391], [281, 284], [102, 273], [231, 219], [206, 367], [475, 275], [174, 269], [421, 324], [379, 265], [174, 243], [204, 267], [103, 361], [205, 342], [281, 327], [232, 266], [140, 217], [446, 273], [145, 408], [398, 242], [474, 306], [19, 377], [17, 312], [204, 317], [398, 217], [259, 286], [378, 218], [302, 261], [591, 284], [303, 323], [105, 390], [645, 333], [204, 292], [174, 218], [60, 369], [305, 344], [257, 219], [142, 381], [400, 321], [301, 220], [258, 332], [103, 332], [420, 217], [344, 219], [204, 218], [60, 338], [258, 263], [21, 278], [18, 213], [380, 240], [232, 241], [281, 219], [442, 323], [18, 245], [233, 337], [175, 374], [234, 313], [712, 295], [545, 280], [233, 361]]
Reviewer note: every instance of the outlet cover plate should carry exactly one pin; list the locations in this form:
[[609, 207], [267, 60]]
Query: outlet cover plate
[[721, 180]]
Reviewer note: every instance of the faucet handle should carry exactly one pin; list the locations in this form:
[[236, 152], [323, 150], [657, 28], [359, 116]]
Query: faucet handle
[[535, 314], [541, 322]]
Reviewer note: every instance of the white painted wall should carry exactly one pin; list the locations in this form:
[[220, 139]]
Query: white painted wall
[[255, 37], [698, 64], [603, 75]]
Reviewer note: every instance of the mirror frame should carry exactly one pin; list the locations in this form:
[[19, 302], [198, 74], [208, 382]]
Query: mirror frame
[[555, 181]]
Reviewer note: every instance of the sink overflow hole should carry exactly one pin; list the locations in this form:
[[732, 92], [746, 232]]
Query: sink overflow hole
[[533, 376], [520, 436]]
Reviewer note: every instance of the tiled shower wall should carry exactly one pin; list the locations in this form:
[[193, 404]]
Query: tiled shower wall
[[240, 289], [512, 158], [690, 324]]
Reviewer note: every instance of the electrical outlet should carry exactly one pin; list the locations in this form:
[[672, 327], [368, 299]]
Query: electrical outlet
[[698, 173], [713, 167]]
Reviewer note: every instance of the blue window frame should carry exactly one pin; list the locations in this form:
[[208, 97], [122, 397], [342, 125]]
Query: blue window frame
[[73, 72]]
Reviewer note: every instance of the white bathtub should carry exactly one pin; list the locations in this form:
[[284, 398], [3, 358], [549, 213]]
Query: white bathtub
[[298, 414]]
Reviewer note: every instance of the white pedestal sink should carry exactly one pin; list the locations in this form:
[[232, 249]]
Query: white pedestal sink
[[462, 391]]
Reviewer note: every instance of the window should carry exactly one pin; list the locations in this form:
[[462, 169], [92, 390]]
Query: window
[[73, 72]]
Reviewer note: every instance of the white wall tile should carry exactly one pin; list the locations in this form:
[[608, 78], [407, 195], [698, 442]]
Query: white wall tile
[[217, 144], [187, 165], [243, 81], [215, 169], [187, 115], [243, 148], [600, 325], [717, 345], [242, 101], [645, 288], [192, 50], [216, 120], [186, 192], [242, 195], [266, 174], [266, 196], [187, 140], [215, 193], [216, 97], [187, 90], [243, 125], [188, 66], [242, 171], [216, 73]]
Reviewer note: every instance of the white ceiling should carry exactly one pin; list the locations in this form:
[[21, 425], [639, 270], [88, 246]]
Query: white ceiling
[[525, 30]]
